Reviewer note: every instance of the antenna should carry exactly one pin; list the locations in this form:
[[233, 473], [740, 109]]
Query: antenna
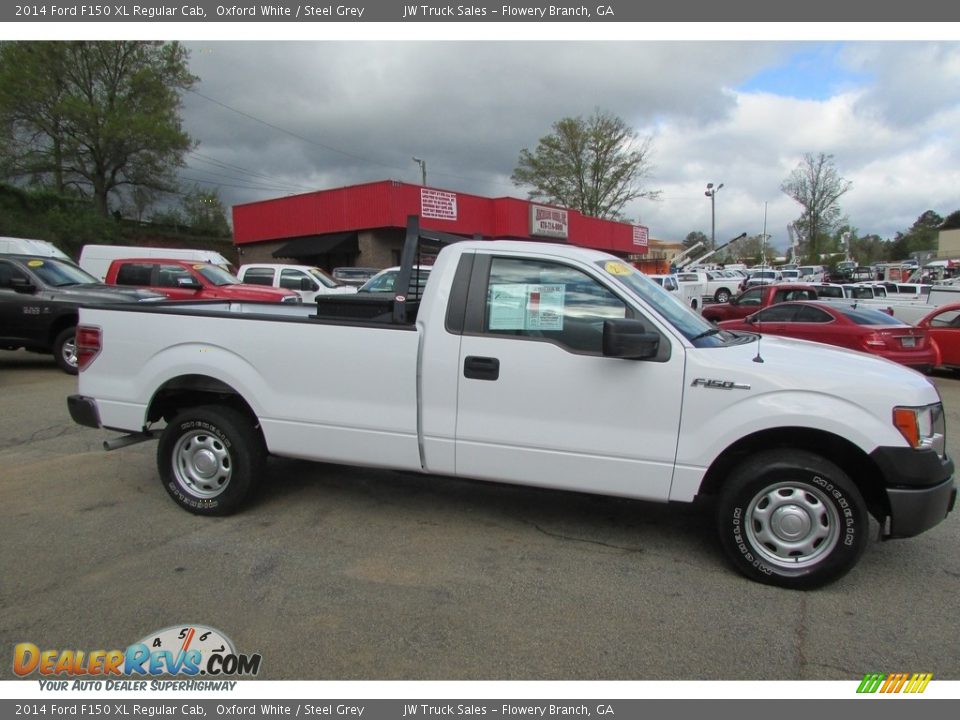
[[763, 259]]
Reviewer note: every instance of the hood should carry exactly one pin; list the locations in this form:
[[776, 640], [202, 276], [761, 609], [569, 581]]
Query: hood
[[101, 293], [788, 364]]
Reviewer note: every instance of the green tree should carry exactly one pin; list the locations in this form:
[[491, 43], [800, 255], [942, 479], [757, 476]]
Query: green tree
[[817, 186], [93, 117], [921, 237], [595, 166], [952, 221], [205, 214]]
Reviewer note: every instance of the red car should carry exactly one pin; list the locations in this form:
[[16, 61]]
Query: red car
[[943, 326], [849, 326]]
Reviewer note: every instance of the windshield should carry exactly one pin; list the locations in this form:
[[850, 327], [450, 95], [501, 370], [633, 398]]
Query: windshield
[[216, 275], [321, 277], [59, 274], [691, 325]]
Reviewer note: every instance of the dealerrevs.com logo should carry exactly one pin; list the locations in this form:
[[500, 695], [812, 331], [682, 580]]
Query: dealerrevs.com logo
[[895, 683], [179, 650]]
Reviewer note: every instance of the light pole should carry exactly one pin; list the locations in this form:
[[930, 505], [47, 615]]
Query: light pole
[[711, 193], [423, 169]]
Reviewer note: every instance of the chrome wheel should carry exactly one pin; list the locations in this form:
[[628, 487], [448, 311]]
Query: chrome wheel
[[792, 525], [202, 465], [68, 351]]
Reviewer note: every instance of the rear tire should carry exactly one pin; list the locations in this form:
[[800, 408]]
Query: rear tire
[[210, 459], [65, 350], [793, 519]]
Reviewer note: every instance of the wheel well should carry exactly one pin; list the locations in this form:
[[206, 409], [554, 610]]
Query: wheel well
[[192, 391], [840, 451], [60, 324]]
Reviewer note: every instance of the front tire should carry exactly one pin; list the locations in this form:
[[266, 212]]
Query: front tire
[[210, 459], [65, 350], [793, 519], [722, 295]]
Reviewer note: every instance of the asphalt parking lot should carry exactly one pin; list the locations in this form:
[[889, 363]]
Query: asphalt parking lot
[[338, 573]]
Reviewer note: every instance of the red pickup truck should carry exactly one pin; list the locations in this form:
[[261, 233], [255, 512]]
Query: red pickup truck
[[189, 280], [757, 298]]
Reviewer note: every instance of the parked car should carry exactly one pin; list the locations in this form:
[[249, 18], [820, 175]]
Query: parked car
[[849, 326], [761, 277], [40, 300], [187, 280], [943, 326], [305, 280], [756, 298], [688, 286], [96, 259], [812, 273], [384, 280], [355, 276], [29, 246]]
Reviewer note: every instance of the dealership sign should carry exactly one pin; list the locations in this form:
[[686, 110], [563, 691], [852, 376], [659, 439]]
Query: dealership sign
[[548, 222], [641, 236], [438, 205]]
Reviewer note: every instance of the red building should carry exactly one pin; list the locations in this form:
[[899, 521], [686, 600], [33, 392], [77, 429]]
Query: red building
[[363, 225]]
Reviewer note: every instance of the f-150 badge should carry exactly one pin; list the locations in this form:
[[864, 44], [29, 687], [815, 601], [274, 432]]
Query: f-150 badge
[[719, 384]]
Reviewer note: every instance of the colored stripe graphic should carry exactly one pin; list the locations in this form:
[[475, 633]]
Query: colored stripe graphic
[[894, 683]]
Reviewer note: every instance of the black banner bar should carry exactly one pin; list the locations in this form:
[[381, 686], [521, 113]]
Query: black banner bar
[[533, 11]]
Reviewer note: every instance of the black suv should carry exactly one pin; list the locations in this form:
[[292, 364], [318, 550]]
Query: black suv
[[39, 301]]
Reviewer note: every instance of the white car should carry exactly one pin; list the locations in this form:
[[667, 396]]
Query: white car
[[305, 280]]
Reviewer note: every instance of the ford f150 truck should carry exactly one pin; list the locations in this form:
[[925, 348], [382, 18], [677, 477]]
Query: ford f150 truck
[[538, 364], [39, 300]]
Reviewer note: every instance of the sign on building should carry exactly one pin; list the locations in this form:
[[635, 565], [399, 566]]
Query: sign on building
[[438, 204], [548, 222], [641, 236]]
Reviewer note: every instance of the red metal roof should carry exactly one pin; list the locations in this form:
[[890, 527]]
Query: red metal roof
[[386, 204]]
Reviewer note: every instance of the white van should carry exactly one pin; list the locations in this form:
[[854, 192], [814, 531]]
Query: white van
[[28, 246], [96, 259], [305, 280]]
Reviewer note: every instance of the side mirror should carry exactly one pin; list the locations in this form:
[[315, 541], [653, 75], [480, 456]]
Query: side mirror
[[629, 339], [188, 283], [308, 285], [22, 285]]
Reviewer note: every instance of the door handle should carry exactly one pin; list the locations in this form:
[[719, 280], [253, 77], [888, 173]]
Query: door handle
[[481, 368]]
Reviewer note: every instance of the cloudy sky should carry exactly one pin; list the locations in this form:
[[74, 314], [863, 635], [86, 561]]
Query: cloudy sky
[[280, 117]]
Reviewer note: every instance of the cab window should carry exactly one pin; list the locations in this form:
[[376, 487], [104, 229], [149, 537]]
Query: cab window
[[258, 276], [547, 301]]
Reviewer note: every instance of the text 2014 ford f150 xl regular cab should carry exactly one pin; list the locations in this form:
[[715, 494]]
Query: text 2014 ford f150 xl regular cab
[[537, 364]]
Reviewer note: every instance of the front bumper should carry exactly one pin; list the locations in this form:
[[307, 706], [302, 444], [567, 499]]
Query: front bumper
[[84, 410], [919, 486]]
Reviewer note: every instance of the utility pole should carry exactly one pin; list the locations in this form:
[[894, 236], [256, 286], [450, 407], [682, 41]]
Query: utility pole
[[423, 169], [711, 193]]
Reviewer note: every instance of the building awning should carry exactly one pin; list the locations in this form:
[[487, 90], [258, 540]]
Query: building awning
[[345, 243]]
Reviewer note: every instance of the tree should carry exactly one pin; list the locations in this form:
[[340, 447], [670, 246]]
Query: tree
[[595, 166], [921, 237], [817, 186], [93, 117], [952, 221], [205, 213]]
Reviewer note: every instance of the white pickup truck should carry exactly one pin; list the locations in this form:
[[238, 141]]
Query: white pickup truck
[[537, 364]]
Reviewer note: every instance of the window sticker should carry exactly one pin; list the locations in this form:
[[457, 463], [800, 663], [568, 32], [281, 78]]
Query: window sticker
[[526, 307], [618, 268], [35, 263]]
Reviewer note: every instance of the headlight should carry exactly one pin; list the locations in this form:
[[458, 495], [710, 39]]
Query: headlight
[[922, 427]]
